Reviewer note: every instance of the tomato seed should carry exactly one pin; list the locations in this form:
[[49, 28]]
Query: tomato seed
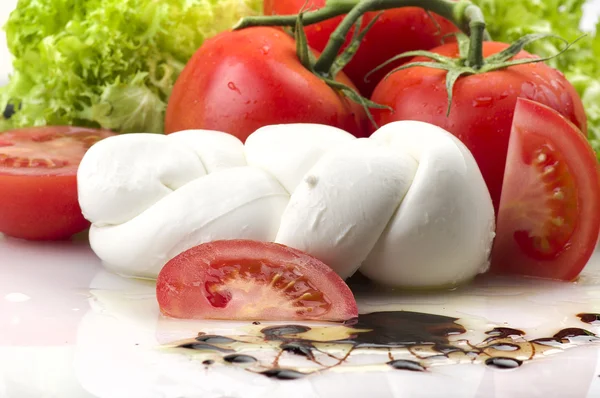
[[542, 158]]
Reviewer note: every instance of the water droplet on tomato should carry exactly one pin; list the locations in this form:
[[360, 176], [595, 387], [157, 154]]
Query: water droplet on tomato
[[265, 50], [233, 87], [481, 102], [529, 90], [557, 84]]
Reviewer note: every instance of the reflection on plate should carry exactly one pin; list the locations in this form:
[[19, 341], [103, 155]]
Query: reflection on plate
[[498, 337]]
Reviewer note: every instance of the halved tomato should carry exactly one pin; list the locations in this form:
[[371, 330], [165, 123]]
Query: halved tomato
[[549, 215], [251, 280], [38, 186]]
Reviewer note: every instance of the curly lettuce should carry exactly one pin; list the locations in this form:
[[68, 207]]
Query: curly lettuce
[[105, 63], [511, 19]]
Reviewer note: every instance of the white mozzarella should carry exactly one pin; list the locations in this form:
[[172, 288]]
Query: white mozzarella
[[242, 202], [443, 230], [288, 151], [122, 176], [216, 150], [408, 205], [344, 203]]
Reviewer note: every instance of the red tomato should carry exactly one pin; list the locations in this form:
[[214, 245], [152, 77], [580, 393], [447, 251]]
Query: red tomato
[[549, 216], [38, 186], [396, 31], [482, 107], [240, 81], [243, 279]]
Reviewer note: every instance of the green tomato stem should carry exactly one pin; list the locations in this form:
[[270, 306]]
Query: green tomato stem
[[465, 15], [477, 36], [308, 18]]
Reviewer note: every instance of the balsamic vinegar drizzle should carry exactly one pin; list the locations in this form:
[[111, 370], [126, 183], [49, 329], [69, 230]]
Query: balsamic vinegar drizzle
[[404, 340], [592, 319], [503, 363], [239, 358], [283, 374], [205, 346], [407, 364]]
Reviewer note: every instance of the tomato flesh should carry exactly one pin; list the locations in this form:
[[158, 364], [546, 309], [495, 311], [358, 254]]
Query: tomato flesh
[[249, 280], [549, 216], [38, 169]]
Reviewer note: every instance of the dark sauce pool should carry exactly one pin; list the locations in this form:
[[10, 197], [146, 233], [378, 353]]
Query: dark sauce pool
[[401, 340]]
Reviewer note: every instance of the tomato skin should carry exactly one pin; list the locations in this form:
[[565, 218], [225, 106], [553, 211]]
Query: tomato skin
[[27, 213], [482, 106], [529, 203], [184, 285], [240, 81], [39, 203], [396, 31]]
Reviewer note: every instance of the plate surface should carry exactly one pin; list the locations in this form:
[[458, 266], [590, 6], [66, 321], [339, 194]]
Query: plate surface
[[68, 328]]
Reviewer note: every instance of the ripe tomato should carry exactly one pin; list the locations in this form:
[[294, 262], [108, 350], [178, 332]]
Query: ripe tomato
[[482, 107], [240, 81], [396, 31], [38, 186], [549, 216], [244, 279]]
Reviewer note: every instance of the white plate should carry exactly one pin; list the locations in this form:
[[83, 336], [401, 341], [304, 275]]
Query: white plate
[[70, 329]]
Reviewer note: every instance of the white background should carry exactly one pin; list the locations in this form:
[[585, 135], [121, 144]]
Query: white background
[[5, 7]]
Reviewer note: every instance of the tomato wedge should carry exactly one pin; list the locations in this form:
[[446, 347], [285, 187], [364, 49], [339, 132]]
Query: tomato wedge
[[38, 185], [251, 280], [549, 215]]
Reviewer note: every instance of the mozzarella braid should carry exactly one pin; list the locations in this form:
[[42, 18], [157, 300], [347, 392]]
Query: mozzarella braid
[[407, 206]]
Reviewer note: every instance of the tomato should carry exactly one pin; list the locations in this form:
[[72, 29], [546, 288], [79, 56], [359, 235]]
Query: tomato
[[240, 81], [549, 217], [247, 280], [396, 31], [38, 186], [482, 107]]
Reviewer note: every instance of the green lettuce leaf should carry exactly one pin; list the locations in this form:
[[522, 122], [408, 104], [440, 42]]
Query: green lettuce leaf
[[105, 63], [510, 19]]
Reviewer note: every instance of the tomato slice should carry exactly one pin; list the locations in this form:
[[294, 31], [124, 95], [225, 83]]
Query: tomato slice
[[549, 214], [251, 280], [38, 185]]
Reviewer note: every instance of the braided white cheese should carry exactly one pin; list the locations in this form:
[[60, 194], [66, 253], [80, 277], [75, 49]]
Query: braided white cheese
[[408, 206]]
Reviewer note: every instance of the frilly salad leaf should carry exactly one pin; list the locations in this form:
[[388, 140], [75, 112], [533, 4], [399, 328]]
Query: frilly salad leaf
[[511, 19], [107, 63]]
